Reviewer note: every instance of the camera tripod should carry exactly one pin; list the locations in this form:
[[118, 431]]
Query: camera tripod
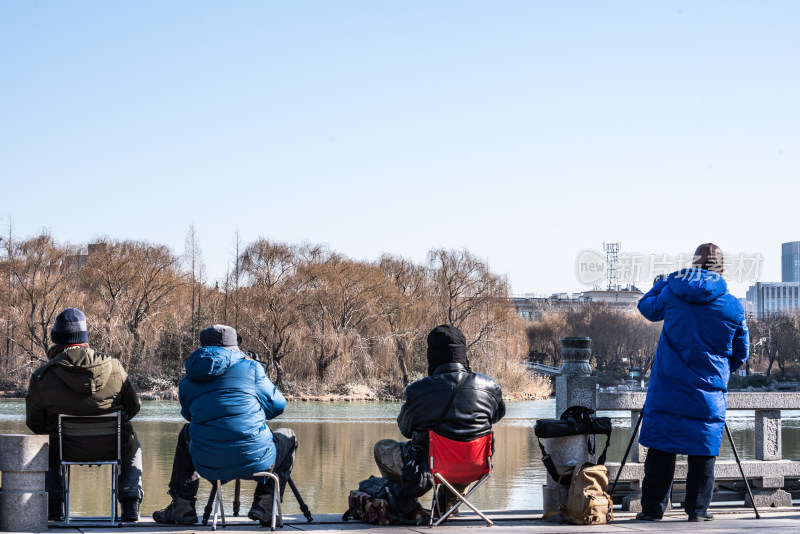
[[635, 433], [237, 489]]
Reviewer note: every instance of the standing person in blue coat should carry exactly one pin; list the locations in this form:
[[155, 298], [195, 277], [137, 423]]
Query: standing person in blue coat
[[704, 339], [227, 399]]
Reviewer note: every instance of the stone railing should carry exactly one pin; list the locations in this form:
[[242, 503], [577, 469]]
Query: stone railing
[[767, 471], [23, 500]]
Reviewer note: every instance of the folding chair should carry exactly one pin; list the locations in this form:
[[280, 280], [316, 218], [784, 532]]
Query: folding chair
[[90, 440], [459, 462], [219, 505]]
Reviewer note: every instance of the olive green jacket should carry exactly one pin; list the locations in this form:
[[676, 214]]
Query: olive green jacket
[[79, 381]]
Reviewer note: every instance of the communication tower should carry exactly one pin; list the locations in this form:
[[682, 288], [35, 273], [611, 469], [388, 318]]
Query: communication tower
[[612, 255]]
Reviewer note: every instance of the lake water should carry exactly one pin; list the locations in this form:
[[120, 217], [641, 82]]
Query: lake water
[[335, 453]]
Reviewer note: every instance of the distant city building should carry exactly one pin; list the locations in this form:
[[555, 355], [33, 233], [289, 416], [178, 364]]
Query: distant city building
[[790, 262], [531, 306], [766, 298], [624, 297], [79, 260]]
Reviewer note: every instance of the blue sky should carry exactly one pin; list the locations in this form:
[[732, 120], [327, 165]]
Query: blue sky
[[523, 131]]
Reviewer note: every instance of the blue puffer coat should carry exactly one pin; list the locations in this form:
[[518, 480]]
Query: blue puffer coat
[[227, 399], [704, 339]]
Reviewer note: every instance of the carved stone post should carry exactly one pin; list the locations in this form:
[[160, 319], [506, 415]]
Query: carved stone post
[[768, 491], [574, 387]]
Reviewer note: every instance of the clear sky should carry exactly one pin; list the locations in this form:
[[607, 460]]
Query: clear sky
[[524, 131]]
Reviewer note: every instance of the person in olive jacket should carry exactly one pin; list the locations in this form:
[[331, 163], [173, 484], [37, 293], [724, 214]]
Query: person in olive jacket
[[474, 409], [79, 381]]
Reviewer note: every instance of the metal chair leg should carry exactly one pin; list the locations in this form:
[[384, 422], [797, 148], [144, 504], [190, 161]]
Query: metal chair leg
[[434, 504], [219, 507], [277, 513], [65, 478], [462, 498]]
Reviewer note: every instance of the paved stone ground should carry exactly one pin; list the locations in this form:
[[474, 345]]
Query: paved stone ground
[[733, 520]]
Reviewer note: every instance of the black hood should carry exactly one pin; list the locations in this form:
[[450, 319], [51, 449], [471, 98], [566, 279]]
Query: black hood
[[446, 344]]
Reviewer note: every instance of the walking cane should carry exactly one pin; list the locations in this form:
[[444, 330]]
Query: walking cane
[[741, 470], [300, 501], [627, 451]]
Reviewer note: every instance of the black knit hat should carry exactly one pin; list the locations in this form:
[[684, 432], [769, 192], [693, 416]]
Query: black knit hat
[[70, 328], [446, 344], [219, 335]]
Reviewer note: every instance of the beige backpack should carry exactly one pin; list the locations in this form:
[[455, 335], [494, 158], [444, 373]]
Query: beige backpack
[[588, 501]]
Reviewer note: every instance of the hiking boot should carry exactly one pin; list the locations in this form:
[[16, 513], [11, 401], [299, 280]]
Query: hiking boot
[[179, 512], [55, 511], [261, 510], [130, 510], [444, 501]]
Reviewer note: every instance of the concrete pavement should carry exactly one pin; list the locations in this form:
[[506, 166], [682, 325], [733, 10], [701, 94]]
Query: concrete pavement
[[728, 520]]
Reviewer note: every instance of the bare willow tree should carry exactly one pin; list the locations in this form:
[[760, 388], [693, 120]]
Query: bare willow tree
[[467, 294], [43, 273], [271, 299], [339, 300], [148, 277], [405, 306]]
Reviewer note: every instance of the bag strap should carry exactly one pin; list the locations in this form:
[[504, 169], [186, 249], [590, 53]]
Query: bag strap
[[452, 397], [550, 465]]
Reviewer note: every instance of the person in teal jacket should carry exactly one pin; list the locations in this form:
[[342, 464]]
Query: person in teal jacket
[[703, 340], [227, 399]]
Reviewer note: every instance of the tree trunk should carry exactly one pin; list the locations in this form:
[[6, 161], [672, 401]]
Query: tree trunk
[[402, 351]]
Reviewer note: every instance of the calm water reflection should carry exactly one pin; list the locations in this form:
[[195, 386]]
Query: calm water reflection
[[336, 452]]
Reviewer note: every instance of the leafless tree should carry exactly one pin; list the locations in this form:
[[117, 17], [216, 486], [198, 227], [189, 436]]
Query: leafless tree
[[43, 273], [272, 298], [405, 305]]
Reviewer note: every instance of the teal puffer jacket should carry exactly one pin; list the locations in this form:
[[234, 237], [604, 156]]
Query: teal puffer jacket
[[227, 400]]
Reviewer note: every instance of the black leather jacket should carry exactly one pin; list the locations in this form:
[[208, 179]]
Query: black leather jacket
[[475, 408]]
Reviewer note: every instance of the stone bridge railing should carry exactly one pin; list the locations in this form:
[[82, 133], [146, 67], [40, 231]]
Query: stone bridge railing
[[767, 471]]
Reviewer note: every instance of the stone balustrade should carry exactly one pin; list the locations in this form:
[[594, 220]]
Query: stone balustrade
[[768, 470], [23, 500]]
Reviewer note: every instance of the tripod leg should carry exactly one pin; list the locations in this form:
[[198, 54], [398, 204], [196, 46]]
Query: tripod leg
[[210, 503], [237, 503], [627, 451], [741, 470], [300, 501]]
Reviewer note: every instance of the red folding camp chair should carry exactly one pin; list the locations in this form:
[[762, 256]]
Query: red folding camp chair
[[459, 462]]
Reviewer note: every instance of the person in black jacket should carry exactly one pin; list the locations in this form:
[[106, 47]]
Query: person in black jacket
[[474, 409]]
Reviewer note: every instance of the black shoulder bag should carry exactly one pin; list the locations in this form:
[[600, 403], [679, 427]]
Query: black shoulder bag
[[575, 421]]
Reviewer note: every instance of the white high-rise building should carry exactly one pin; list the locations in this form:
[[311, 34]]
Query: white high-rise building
[[766, 298]]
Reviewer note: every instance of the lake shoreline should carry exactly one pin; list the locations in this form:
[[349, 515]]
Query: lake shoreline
[[172, 395]]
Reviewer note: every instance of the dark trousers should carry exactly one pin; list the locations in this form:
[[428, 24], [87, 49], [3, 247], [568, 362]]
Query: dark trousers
[[659, 471], [184, 481]]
